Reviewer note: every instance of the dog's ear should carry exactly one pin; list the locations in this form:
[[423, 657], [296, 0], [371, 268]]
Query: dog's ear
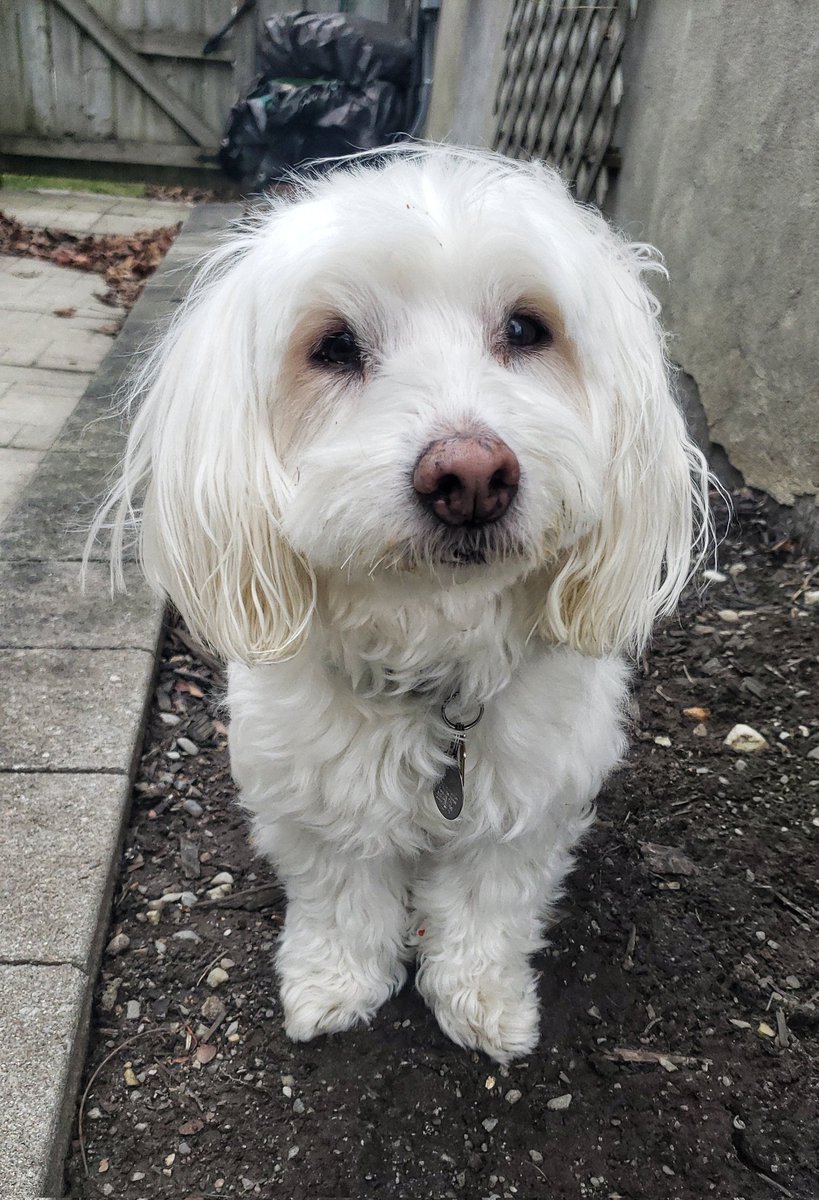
[[201, 456], [630, 568]]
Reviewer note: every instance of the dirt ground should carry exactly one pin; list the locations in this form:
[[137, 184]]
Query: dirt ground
[[679, 1030]]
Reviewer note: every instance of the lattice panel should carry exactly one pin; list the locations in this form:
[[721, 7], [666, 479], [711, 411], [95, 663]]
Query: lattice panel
[[561, 86]]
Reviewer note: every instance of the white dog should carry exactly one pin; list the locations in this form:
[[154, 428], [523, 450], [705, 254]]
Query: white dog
[[411, 465]]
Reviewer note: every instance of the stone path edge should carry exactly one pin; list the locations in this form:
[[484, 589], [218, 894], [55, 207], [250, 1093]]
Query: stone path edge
[[53, 633]]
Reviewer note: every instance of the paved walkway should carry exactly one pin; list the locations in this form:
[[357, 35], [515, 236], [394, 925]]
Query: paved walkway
[[54, 332], [75, 673]]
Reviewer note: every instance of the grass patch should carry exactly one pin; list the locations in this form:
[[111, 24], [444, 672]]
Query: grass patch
[[102, 187]]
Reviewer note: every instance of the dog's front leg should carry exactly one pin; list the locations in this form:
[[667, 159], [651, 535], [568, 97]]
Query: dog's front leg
[[480, 911], [340, 954]]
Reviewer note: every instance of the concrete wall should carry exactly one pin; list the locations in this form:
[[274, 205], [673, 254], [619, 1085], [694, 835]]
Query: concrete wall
[[718, 139], [468, 58], [719, 148]]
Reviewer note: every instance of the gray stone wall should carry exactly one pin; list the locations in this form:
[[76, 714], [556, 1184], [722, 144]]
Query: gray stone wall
[[718, 138]]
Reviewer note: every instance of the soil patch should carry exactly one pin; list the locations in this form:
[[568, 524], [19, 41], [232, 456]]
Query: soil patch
[[679, 1029]]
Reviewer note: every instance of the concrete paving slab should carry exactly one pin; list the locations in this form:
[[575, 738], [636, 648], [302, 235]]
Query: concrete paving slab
[[17, 468], [42, 1011], [58, 860], [88, 212], [72, 710], [52, 514], [43, 606]]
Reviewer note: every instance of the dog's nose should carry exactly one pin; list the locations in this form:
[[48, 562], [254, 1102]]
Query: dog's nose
[[467, 479]]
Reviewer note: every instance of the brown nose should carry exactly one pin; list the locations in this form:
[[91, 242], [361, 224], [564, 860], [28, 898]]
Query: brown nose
[[467, 480]]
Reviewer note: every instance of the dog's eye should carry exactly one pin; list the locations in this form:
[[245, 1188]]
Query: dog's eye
[[523, 331], [340, 349]]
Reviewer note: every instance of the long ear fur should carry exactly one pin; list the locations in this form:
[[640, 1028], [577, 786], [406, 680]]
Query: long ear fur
[[630, 569], [201, 452]]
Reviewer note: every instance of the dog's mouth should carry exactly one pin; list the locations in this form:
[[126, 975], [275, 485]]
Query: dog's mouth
[[467, 546]]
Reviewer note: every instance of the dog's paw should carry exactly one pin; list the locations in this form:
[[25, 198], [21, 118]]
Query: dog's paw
[[330, 999], [488, 1010]]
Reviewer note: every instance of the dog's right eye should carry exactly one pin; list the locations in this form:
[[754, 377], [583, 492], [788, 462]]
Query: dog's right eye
[[338, 349]]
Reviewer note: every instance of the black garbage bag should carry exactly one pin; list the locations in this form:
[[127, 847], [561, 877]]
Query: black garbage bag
[[329, 84]]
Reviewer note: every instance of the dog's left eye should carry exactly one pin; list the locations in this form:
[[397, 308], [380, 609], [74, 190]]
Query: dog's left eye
[[340, 349], [523, 331]]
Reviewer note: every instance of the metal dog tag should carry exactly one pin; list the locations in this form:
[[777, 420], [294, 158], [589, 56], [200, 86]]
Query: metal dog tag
[[449, 790]]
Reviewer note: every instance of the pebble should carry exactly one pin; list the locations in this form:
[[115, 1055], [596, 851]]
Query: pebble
[[109, 995], [183, 1148], [193, 807], [662, 740], [811, 597], [745, 740], [298, 1106], [793, 982], [169, 718], [187, 746], [729, 615], [188, 899], [118, 945], [187, 935], [132, 1010], [513, 1095], [153, 916], [814, 753], [489, 1124], [223, 879], [217, 977], [130, 1078], [559, 1103], [714, 577], [536, 1156], [213, 1008], [292, 1152]]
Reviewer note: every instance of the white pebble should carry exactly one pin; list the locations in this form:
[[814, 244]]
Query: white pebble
[[489, 1124], [513, 1095], [223, 879], [559, 1103], [217, 977]]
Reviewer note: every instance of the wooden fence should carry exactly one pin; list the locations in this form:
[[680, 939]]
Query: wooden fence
[[93, 83]]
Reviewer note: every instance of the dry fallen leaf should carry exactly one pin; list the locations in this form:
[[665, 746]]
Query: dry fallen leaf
[[697, 713], [65, 312], [666, 860]]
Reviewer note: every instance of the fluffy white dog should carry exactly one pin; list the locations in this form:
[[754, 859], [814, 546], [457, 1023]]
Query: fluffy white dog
[[411, 465]]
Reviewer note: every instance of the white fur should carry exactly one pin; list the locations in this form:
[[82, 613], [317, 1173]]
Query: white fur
[[279, 516]]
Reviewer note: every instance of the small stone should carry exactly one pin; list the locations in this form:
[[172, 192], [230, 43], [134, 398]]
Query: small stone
[[513, 1095], [745, 740], [700, 730], [662, 740], [811, 597], [559, 1103], [536, 1156], [298, 1106], [287, 1092], [153, 916], [130, 1078], [738, 1024], [132, 1010], [226, 963], [169, 718], [223, 879], [109, 995], [170, 1159], [667, 1171], [490, 1082], [728, 615], [793, 982], [193, 807], [183, 1148], [118, 945], [217, 977], [187, 935], [489, 1123], [714, 577], [764, 1028], [292, 1152], [188, 899], [187, 746], [814, 753], [213, 1008]]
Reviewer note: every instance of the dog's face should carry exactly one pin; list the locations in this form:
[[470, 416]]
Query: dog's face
[[436, 365]]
